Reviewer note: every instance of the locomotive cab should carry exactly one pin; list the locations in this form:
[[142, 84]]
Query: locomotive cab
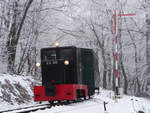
[[58, 67], [55, 68]]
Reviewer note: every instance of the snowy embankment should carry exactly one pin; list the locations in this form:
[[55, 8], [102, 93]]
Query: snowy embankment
[[126, 104], [15, 91]]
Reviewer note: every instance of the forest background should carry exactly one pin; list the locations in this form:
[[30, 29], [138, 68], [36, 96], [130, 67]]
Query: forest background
[[26, 26]]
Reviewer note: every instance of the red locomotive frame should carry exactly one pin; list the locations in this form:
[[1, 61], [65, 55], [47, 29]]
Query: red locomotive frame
[[63, 92]]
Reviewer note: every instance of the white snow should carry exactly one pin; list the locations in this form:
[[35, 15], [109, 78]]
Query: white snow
[[126, 104], [25, 82]]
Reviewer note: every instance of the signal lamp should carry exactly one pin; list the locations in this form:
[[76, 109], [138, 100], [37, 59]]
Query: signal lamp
[[38, 64], [66, 62]]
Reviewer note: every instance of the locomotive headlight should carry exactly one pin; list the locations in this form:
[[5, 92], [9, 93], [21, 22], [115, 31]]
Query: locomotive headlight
[[66, 62], [57, 44], [38, 64]]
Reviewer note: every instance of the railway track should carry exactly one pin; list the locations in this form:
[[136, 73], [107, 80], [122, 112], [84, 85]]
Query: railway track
[[27, 109], [38, 107], [48, 106]]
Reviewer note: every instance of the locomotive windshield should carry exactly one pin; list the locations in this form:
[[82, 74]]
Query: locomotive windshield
[[57, 54], [49, 55], [66, 54]]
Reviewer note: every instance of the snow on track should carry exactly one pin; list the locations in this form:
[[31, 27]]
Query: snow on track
[[127, 104]]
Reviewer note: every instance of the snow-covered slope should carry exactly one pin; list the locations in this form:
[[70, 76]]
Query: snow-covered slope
[[126, 104], [16, 91]]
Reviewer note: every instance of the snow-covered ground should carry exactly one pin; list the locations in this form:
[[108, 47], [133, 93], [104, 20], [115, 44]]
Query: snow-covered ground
[[17, 92], [126, 104]]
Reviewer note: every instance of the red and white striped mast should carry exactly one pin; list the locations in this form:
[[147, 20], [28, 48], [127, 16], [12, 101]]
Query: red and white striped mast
[[116, 52], [116, 15]]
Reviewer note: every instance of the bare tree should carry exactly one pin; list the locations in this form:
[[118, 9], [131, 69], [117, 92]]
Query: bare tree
[[148, 40], [15, 32]]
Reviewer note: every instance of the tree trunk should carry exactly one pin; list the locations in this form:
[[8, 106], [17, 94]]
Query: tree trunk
[[125, 78], [148, 46], [104, 77], [14, 36], [11, 42]]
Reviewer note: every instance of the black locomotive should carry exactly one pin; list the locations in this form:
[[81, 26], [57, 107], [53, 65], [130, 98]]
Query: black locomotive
[[68, 73]]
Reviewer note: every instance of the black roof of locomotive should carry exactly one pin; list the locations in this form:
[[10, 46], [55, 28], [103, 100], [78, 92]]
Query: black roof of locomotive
[[62, 47], [58, 47]]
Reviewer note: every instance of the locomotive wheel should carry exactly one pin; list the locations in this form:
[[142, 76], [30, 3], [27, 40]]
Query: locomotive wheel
[[68, 102], [84, 97], [51, 102], [89, 97]]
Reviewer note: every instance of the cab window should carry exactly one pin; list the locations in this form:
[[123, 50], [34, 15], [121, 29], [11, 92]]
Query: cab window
[[49, 55], [66, 54]]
